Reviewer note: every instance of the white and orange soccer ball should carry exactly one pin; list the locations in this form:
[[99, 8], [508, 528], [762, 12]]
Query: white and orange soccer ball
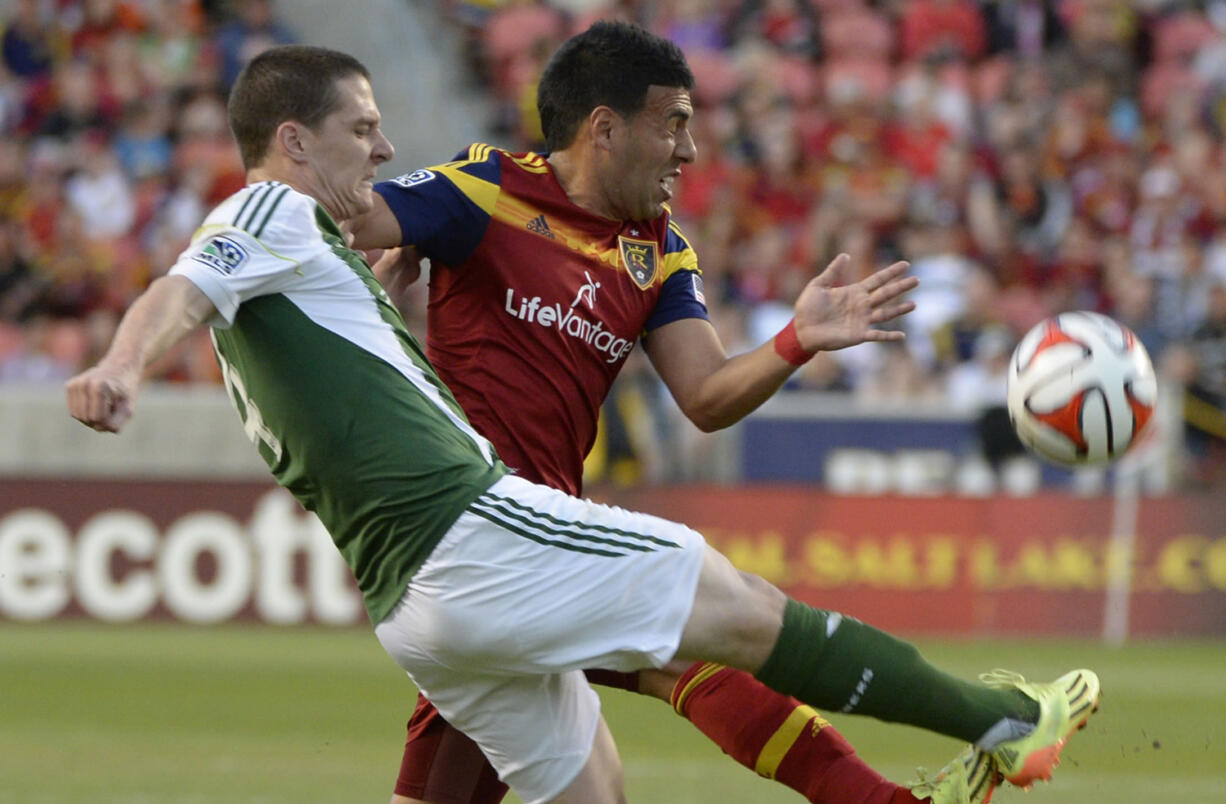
[[1081, 389]]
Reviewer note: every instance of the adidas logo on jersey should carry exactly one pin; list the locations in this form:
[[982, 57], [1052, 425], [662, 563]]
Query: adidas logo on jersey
[[539, 226]]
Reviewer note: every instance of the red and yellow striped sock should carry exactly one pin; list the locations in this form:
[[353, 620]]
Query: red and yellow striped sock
[[779, 737]]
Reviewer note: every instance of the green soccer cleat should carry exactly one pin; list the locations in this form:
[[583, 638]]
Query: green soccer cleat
[[969, 778], [1064, 707]]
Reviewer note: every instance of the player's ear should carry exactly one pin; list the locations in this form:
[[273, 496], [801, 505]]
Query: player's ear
[[602, 124], [292, 139]]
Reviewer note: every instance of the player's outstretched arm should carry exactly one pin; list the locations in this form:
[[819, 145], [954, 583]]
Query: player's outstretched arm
[[715, 391], [377, 228], [103, 397]]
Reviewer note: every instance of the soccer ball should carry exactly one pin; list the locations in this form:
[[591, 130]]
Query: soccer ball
[[1081, 389]]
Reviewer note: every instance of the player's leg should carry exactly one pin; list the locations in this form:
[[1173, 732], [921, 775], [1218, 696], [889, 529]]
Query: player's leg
[[542, 732], [837, 663], [442, 765], [601, 779], [613, 570], [774, 735], [610, 588], [492, 631]]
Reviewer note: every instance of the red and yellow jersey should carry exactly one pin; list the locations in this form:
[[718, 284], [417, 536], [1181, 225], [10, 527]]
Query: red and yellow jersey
[[534, 302]]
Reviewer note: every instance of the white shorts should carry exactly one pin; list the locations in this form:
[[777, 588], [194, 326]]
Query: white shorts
[[529, 587]]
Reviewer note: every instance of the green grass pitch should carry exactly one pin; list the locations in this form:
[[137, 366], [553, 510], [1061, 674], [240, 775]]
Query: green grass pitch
[[169, 714]]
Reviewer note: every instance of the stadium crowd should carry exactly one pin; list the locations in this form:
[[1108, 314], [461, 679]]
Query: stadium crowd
[[115, 143], [1027, 156]]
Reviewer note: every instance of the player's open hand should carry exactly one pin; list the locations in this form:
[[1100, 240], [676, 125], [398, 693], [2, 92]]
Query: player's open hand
[[830, 315], [101, 398]]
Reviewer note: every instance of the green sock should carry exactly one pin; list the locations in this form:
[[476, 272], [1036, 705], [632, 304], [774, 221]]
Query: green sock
[[840, 664]]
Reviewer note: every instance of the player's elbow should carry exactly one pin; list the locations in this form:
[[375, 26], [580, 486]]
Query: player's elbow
[[709, 419]]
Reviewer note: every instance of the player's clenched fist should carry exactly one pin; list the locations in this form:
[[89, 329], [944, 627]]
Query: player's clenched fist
[[101, 398]]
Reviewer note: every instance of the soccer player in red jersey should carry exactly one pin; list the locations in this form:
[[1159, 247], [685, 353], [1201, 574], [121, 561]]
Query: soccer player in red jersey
[[545, 272]]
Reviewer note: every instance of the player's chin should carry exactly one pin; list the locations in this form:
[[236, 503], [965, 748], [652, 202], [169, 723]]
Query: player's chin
[[653, 210], [362, 199]]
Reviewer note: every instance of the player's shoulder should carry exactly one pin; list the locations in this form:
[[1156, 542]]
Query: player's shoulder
[[476, 173], [679, 255], [479, 160], [492, 164], [264, 220], [267, 211], [675, 238]]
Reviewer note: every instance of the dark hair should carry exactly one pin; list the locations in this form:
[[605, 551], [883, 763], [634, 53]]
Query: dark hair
[[289, 82], [610, 64]]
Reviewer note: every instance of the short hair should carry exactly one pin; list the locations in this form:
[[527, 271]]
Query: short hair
[[610, 64], [288, 82]]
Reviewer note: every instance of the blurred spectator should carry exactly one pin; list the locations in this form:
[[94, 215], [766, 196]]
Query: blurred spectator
[[99, 191], [694, 25], [957, 340], [978, 387], [142, 143], [1164, 251], [77, 103], [28, 43], [1205, 403], [34, 361], [203, 142], [253, 29], [102, 22], [20, 286], [12, 178], [1025, 28], [791, 26], [1034, 211], [1100, 43], [942, 29], [1134, 308], [938, 259], [173, 54]]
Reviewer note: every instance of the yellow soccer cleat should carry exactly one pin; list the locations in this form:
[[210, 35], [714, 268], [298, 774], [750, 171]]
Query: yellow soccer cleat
[[969, 778], [1064, 707]]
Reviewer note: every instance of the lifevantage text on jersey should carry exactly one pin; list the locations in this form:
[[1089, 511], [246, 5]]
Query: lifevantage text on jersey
[[609, 344]]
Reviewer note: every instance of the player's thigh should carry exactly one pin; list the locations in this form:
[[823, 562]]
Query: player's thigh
[[735, 619], [536, 730], [530, 580], [601, 780]]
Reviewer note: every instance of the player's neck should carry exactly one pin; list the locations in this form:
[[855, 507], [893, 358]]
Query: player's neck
[[581, 184], [298, 180]]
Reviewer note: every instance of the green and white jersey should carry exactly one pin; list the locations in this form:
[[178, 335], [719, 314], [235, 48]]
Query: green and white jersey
[[338, 397]]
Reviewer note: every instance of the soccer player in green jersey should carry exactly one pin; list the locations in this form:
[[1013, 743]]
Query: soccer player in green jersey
[[493, 593]]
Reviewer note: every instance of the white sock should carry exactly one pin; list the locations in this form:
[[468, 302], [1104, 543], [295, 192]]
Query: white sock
[[1006, 729]]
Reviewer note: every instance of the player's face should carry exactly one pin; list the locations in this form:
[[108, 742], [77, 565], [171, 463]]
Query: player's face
[[347, 149], [648, 159]]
